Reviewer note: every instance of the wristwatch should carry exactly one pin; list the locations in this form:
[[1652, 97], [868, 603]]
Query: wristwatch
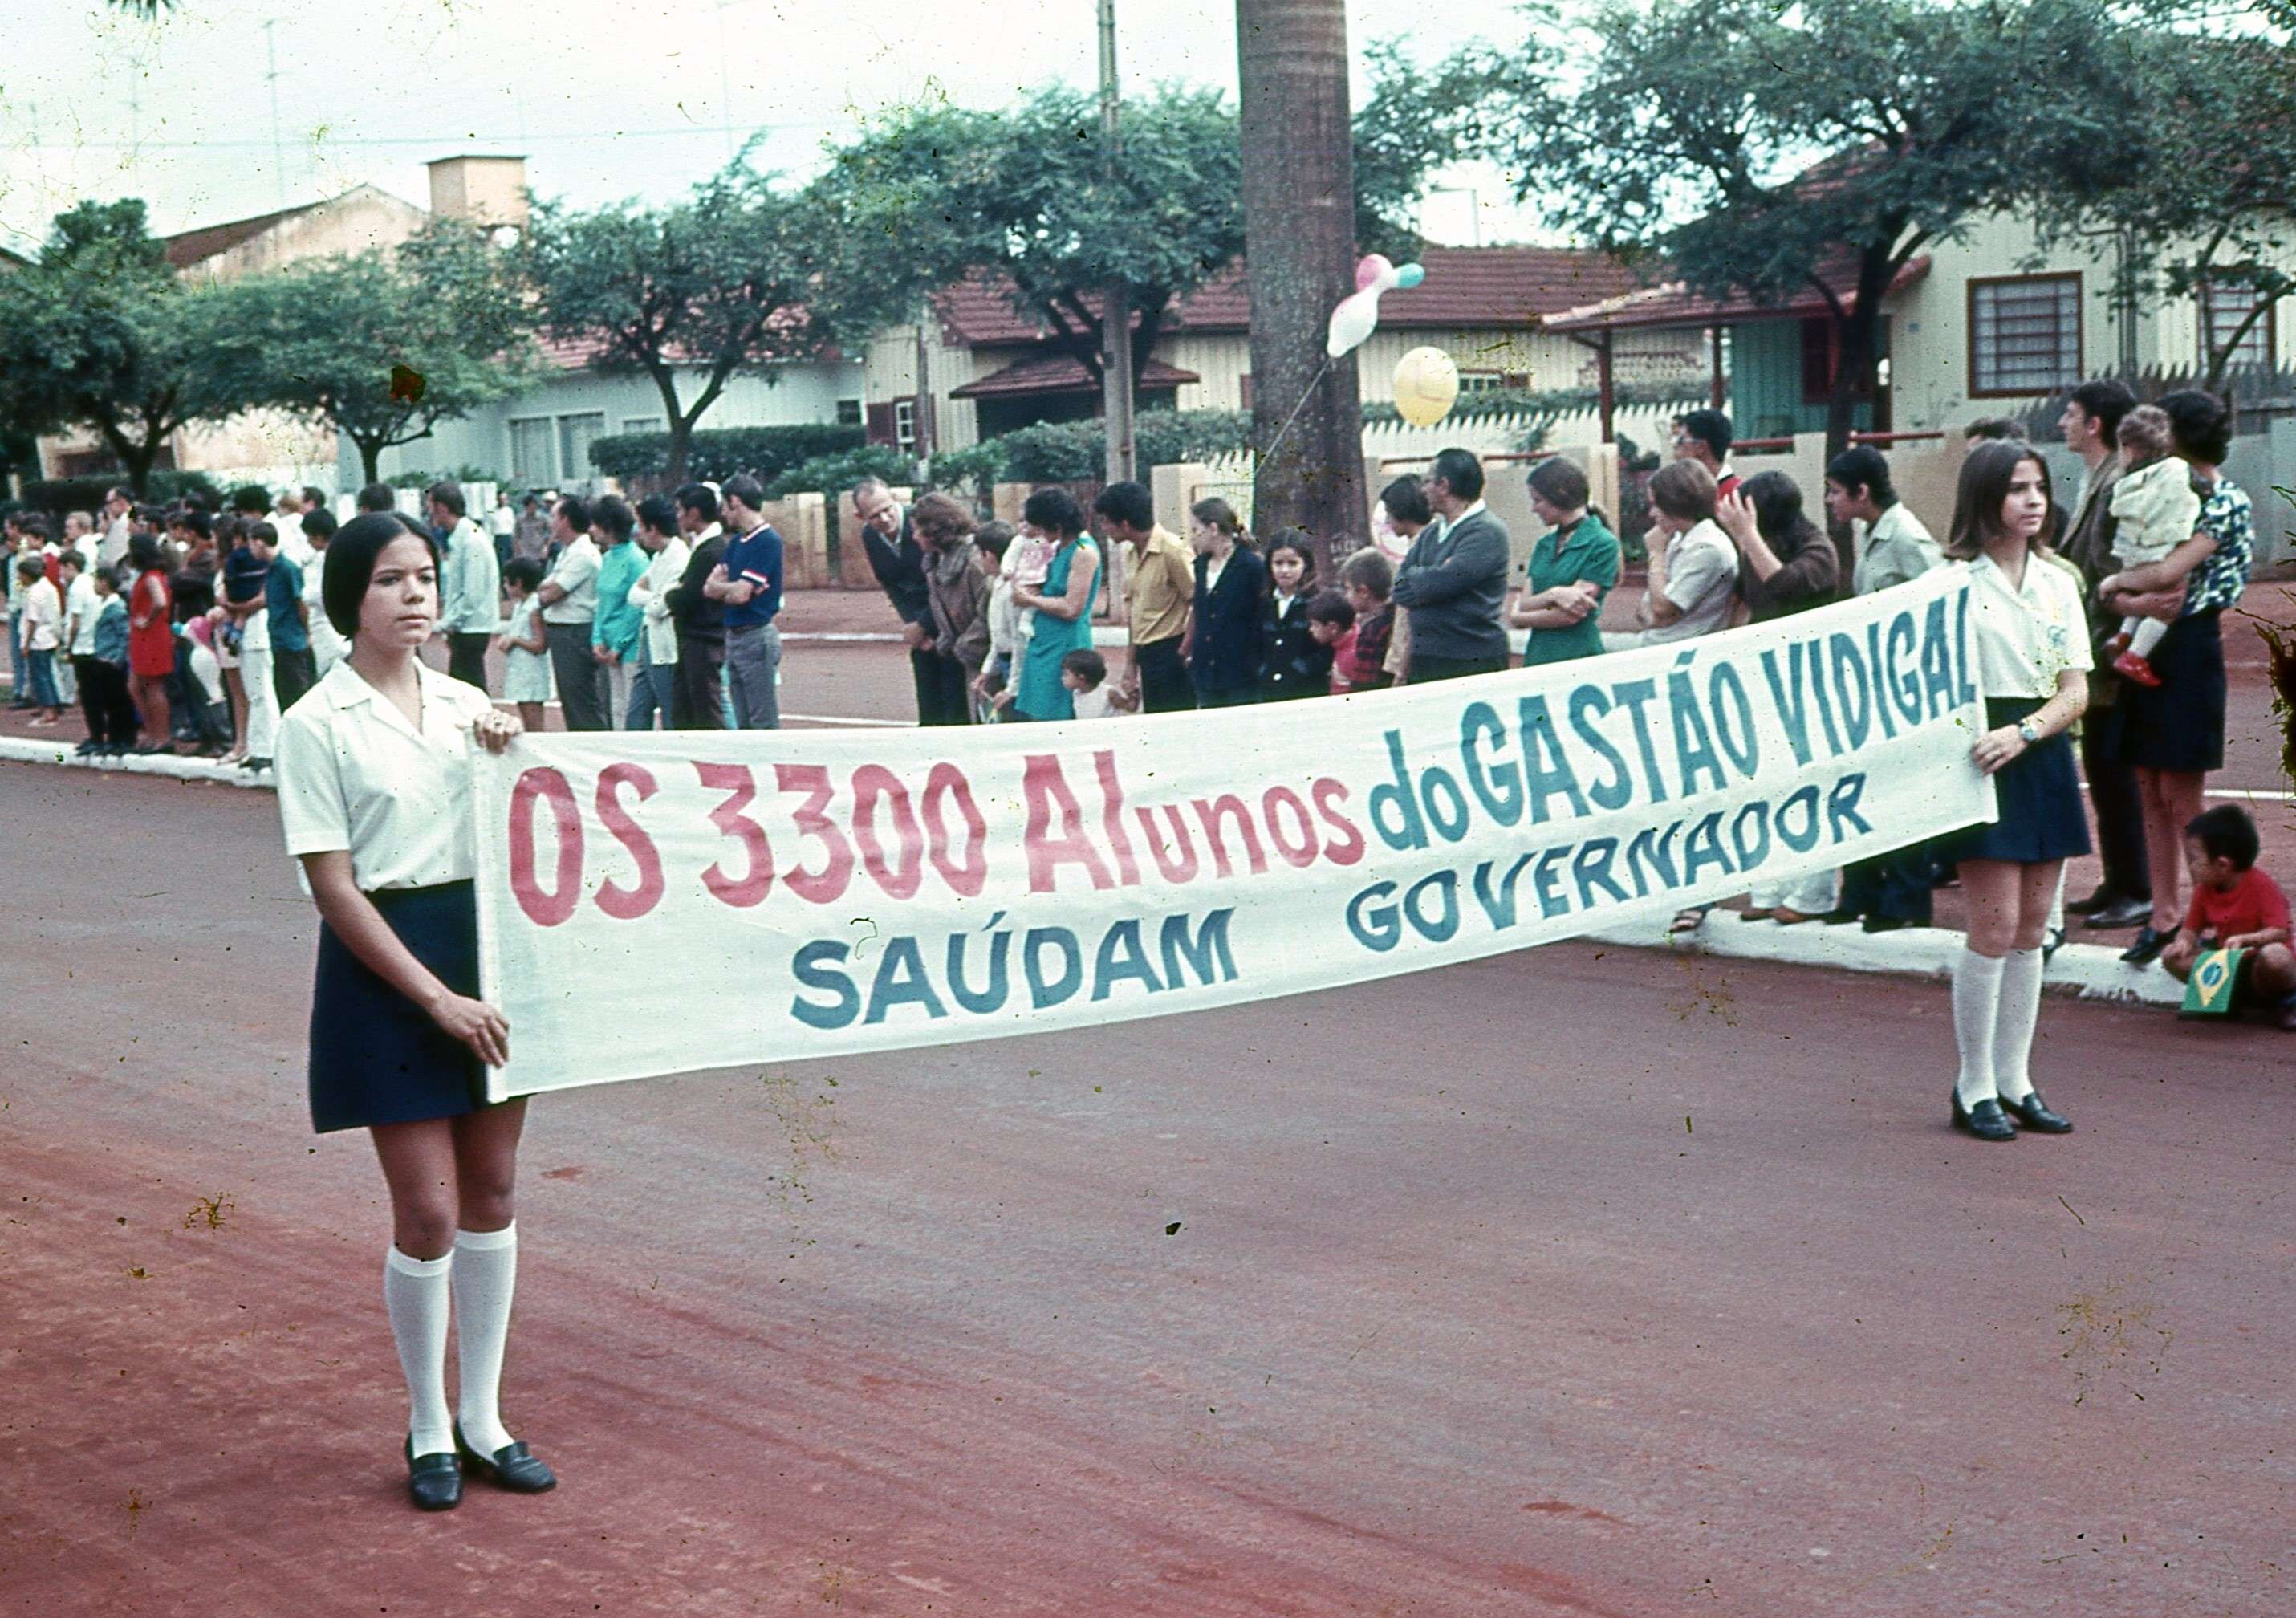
[[2029, 731]]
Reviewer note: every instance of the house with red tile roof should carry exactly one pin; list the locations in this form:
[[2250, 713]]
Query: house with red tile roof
[[980, 367]]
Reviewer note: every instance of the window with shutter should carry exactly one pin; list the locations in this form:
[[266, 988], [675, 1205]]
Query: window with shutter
[[880, 423], [2223, 309]]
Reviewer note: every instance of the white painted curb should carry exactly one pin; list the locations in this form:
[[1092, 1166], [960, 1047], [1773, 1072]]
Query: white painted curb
[[23, 749]]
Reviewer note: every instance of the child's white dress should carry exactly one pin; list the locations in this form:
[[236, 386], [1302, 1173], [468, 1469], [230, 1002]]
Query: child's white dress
[[526, 675]]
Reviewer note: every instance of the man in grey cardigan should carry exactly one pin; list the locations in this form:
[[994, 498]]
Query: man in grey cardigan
[[1453, 577]]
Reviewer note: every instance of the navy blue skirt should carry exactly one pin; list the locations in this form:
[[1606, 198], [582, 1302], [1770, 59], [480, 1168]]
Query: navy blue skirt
[[376, 1057], [2038, 796]]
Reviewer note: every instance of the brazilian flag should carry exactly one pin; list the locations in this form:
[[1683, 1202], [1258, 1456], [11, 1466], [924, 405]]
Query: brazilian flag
[[2208, 992]]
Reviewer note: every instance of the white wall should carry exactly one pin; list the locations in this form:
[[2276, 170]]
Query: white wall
[[796, 396]]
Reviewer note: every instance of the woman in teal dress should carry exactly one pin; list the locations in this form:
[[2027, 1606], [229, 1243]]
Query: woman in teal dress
[[1063, 605], [1571, 570]]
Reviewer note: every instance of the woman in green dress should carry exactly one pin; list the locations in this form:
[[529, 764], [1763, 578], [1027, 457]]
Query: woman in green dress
[[1571, 569], [1063, 605]]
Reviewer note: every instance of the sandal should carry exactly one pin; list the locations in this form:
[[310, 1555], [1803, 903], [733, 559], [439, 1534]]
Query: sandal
[[1685, 923], [1758, 916], [1785, 917]]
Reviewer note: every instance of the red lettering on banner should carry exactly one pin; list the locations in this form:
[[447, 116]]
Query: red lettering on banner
[[1112, 816], [827, 885], [874, 783], [627, 904], [550, 909], [757, 878], [1301, 853], [944, 783], [1046, 791], [1348, 847]]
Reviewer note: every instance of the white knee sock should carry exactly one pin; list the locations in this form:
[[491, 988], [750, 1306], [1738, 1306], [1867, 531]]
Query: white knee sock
[[415, 1292], [2012, 1030], [1976, 1008], [2146, 635], [486, 1271]]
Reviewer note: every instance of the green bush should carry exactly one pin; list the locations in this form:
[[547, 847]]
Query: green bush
[[719, 452], [1077, 452], [60, 496]]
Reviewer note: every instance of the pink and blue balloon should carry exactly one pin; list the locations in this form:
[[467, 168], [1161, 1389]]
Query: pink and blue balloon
[[1357, 317]]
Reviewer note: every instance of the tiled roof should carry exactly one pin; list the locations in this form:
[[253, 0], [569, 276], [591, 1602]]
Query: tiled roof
[[1675, 305], [1063, 374], [1465, 287], [197, 246]]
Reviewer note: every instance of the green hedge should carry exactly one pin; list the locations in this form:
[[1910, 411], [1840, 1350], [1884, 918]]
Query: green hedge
[[719, 452], [1077, 452], [60, 496]]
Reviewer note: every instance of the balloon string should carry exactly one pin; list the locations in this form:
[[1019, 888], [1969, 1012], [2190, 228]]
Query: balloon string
[[1313, 384]]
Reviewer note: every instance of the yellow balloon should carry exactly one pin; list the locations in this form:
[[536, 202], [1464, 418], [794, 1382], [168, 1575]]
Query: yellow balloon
[[1426, 385]]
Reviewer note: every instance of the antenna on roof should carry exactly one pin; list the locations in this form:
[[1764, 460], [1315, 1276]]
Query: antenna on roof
[[278, 153]]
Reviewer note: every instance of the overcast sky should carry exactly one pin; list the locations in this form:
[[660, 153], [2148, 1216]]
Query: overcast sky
[[607, 98]]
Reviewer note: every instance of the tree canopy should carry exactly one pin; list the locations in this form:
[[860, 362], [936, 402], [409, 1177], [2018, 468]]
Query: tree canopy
[[384, 348], [727, 282], [100, 331], [1772, 150]]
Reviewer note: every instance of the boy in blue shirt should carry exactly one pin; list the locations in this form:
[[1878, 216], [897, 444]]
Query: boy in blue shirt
[[293, 669]]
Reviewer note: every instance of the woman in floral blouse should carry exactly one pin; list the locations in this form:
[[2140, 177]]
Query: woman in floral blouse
[[2174, 734]]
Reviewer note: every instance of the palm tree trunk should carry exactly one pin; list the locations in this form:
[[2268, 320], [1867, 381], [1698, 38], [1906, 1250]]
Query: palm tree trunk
[[1299, 232]]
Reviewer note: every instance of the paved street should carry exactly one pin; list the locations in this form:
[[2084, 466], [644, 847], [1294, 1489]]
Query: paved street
[[1578, 1282]]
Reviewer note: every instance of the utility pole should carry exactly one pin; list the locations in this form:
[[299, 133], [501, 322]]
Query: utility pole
[[1116, 298], [725, 80], [278, 152]]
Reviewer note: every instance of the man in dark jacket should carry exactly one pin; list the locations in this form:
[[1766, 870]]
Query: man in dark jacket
[[898, 561], [2124, 897], [697, 698], [1453, 577]]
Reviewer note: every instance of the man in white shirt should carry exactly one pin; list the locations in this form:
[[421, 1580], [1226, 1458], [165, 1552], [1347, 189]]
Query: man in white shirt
[[1705, 436], [118, 506], [1897, 547], [328, 647], [569, 608], [652, 680]]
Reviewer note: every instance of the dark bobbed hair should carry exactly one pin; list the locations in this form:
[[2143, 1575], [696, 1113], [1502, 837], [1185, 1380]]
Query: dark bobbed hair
[[1407, 497], [1710, 428], [1862, 466], [319, 523], [1331, 607], [699, 497], [1461, 469], [2201, 424], [1984, 485], [2227, 833], [658, 513], [1053, 511], [143, 552], [1127, 503], [1292, 539], [2105, 401], [350, 562], [1778, 514], [378, 497], [1560, 484], [1085, 663], [613, 513], [1684, 490], [526, 572]]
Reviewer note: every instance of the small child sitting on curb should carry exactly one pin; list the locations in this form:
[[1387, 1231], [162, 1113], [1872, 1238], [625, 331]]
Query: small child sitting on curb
[[1085, 673], [2236, 906]]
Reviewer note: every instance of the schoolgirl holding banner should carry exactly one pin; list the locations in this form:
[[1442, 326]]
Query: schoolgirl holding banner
[[2032, 657], [375, 798]]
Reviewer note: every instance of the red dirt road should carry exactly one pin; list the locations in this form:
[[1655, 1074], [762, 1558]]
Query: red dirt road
[[1571, 1283]]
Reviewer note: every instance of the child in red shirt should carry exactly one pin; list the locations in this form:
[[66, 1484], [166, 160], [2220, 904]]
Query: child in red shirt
[[1331, 622], [1359, 657], [2236, 906]]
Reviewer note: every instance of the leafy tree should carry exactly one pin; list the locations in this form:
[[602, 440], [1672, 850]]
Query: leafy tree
[[100, 331], [1769, 150], [728, 283], [932, 193], [384, 348], [2211, 185]]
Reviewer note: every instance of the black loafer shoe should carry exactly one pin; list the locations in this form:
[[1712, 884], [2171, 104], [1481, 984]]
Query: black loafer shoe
[[433, 1482], [2120, 913], [2034, 1113], [1985, 1119], [2052, 941], [2150, 942], [2104, 898], [1884, 924], [513, 1466]]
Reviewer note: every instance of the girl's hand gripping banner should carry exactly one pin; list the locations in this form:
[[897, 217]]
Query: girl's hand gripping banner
[[658, 902]]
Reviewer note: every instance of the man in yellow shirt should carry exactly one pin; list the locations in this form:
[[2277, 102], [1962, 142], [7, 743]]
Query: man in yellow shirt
[[1160, 581]]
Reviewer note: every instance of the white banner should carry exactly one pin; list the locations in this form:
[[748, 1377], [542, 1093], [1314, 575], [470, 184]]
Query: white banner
[[658, 902]]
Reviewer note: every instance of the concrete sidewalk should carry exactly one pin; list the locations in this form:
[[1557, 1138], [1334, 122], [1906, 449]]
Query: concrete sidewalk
[[2091, 971]]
